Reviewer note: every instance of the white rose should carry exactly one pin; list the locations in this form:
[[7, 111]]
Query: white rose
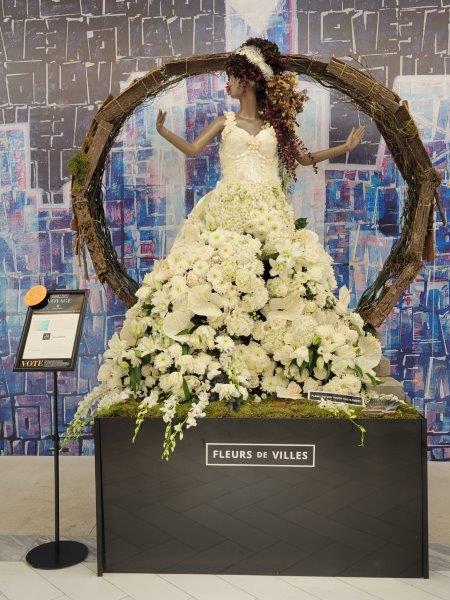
[[293, 391], [191, 279], [205, 252], [275, 322], [172, 382]]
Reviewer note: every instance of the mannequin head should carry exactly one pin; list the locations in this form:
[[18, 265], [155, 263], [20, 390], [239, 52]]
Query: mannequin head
[[258, 67]]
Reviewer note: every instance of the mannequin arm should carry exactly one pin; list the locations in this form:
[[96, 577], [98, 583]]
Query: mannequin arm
[[206, 135], [320, 155]]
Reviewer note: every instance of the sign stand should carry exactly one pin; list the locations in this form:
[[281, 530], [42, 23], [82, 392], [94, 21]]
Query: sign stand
[[57, 319], [59, 553]]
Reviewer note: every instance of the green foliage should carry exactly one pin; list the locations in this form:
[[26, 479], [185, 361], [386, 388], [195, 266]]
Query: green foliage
[[135, 378], [186, 391], [79, 166], [301, 222]]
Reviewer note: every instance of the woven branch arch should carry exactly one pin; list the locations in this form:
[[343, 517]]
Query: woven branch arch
[[388, 111]]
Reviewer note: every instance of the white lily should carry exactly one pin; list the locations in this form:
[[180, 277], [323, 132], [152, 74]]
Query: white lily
[[289, 308], [370, 352], [300, 354], [344, 298], [175, 322], [202, 301]]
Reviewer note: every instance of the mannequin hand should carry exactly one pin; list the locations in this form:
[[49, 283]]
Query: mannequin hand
[[160, 120], [355, 137]]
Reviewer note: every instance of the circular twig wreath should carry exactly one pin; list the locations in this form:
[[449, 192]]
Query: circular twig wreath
[[388, 111]]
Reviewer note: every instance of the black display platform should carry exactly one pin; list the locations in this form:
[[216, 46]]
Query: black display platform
[[359, 511]]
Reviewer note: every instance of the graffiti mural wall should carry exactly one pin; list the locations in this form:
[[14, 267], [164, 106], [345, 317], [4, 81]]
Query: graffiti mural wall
[[58, 62]]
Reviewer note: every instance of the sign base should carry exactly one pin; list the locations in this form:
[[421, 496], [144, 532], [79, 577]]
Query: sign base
[[57, 555]]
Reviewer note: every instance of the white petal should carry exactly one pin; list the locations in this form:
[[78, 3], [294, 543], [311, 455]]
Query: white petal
[[199, 301], [177, 321], [289, 308], [344, 295]]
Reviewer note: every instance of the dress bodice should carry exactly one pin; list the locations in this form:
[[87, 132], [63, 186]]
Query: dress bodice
[[247, 157]]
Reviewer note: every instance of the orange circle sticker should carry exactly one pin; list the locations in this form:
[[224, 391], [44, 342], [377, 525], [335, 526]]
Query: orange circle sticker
[[35, 295]]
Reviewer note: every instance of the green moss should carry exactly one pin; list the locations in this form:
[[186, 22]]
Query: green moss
[[78, 165], [267, 409]]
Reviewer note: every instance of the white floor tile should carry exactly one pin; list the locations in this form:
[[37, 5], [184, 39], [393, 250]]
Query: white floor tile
[[327, 587], [386, 588], [142, 586], [207, 587], [267, 587], [18, 581], [445, 573], [80, 583], [437, 584], [92, 566]]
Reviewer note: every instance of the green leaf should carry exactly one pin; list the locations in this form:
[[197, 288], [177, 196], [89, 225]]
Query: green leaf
[[188, 330], [311, 353], [184, 349], [300, 223], [187, 393], [359, 371], [274, 255], [374, 380], [135, 377]]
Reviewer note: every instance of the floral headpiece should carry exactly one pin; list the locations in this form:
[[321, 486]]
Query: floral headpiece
[[255, 56]]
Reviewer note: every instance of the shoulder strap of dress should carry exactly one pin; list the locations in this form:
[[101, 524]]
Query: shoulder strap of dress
[[230, 116], [229, 122]]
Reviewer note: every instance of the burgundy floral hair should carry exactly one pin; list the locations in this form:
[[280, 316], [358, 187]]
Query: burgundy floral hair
[[278, 101]]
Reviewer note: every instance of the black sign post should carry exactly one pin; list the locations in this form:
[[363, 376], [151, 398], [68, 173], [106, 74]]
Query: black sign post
[[49, 342]]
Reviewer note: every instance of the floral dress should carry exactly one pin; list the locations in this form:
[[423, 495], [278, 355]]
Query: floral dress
[[242, 307]]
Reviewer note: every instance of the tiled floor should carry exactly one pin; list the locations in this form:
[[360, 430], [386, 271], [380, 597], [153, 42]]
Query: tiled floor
[[23, 521], [20, 582]]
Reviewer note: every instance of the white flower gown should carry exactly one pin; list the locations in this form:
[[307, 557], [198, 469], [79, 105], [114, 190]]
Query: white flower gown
[[242, 308]]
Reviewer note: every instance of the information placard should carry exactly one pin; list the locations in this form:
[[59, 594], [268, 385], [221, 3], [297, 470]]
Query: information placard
[[51, 333], [335, 397]]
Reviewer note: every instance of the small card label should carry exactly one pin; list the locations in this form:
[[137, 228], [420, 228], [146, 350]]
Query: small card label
[[335, 397], [260, 455]]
